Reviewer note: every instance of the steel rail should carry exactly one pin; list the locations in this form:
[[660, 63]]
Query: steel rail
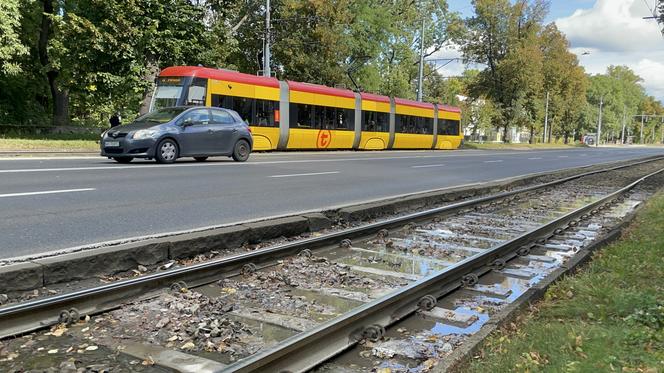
[[306, 350], [24, 317]]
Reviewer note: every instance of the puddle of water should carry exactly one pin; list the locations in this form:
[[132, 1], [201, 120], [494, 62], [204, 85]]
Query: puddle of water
[[41, 352], [415, 266], [340, 305]]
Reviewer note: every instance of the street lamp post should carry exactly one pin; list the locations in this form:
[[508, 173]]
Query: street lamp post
[[622, 136], [599, 122], [643, 116], [546, 116], [266, 52], [420, 77]]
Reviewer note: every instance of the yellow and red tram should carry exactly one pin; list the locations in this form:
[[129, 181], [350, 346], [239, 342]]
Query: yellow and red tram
[[292, 115]]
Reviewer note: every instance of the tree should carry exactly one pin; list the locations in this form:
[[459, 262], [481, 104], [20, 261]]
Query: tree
[[11, 46], [565, 82], [502, 36], [622, 95]]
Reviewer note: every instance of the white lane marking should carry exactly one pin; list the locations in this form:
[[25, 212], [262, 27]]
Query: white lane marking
[[310, 174], [563, 156], [459, 153], [302, 212], [496, 161], [428, 165], [46, 192], [535, 158]]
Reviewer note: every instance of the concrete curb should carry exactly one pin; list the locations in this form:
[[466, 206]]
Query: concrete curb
[[109, 260], [461, 357]]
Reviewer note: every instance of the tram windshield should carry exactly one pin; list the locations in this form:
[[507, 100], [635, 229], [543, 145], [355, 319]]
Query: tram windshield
[[168, 92], [175, 91]]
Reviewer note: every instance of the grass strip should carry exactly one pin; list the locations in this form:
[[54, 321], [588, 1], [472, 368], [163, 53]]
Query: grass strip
[[609, 317], [520, 146], [18, 144]]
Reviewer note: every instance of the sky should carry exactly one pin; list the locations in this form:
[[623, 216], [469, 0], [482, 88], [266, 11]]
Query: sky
[[612, 31]]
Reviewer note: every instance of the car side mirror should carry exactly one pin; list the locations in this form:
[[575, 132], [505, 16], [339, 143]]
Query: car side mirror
[[187, 122]]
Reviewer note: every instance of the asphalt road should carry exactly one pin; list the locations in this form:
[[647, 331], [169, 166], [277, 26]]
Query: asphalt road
[[54, 204]]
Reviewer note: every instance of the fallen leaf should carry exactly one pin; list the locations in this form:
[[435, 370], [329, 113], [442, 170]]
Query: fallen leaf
[[91, 348], [188, 346], [579, 341], [59, 330], [148, 362]]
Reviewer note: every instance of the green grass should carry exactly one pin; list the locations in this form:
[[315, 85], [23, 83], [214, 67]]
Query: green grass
[[493, 145], [609, 317], [51, 142]]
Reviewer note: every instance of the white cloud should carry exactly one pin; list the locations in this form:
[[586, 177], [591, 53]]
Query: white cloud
[[652, 73], [613, 25], [615, 33], [450, 68]]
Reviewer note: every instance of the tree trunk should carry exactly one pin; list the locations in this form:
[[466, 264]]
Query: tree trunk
[[59, 97], [531, 139], [150, 76]]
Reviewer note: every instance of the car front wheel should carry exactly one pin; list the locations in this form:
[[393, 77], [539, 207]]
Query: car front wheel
[[241, 151], [167, 151]]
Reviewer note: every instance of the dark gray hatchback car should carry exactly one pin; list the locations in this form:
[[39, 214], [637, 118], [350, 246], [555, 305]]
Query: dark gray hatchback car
[[170, 133]]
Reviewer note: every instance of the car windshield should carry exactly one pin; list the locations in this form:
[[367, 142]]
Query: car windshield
[[160, 115]]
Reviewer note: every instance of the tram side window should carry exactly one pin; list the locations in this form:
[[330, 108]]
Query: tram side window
[[243, 105], [448, 127], [252, 111], [373, 121], [196, 92], [321, 117], [265, 110], [302, 115], [413, 124], [345, 119]]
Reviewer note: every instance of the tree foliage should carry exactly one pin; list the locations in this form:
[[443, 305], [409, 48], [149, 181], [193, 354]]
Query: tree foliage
[[77, 61], [11, 46]]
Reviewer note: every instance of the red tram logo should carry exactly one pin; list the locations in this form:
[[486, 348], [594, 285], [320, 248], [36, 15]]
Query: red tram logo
[[324, 139]]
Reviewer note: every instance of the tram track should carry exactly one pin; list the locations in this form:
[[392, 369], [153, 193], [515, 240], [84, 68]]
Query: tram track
[[379, 274]]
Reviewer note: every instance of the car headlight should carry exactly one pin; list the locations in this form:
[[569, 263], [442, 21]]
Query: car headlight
[[103, 134], [144, 134]]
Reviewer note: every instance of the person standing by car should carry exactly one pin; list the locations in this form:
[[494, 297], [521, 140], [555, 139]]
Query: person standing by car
[[115, 119]]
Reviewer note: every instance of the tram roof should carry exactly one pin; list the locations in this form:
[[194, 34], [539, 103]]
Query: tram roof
[[320, 89], [374, 97], [418, 104], [219, 74], [449, 108]]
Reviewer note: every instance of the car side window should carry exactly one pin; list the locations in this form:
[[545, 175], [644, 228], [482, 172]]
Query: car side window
[[197, 117], [222, 117]]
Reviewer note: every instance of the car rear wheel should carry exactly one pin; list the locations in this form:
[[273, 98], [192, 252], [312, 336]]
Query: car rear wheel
[[241, 151], [167, 151], [123, 159], [200, 159]]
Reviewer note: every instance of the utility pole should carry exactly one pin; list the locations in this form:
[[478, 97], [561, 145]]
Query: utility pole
[[599, 123], [420, 77], [643, 116], [546, 116], [266, 52], [622, 137]]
